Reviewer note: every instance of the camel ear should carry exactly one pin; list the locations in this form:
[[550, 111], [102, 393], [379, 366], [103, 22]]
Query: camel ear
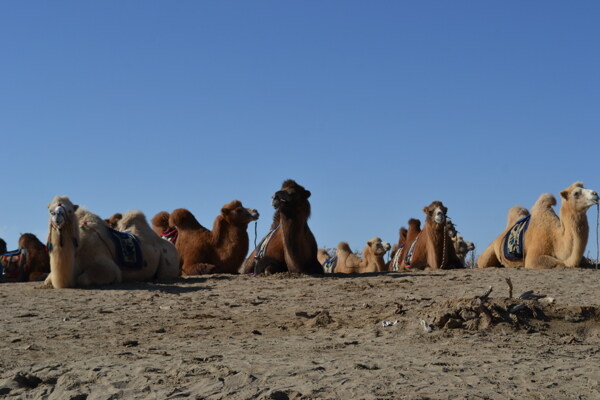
[[224, 211], [369, 243], [564, 194], [307, 193], [425, 210]]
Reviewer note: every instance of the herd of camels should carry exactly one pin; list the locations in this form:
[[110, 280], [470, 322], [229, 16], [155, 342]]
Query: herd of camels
[[84, 250]]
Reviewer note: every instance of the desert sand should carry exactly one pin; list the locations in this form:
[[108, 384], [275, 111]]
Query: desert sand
[[300, 337]]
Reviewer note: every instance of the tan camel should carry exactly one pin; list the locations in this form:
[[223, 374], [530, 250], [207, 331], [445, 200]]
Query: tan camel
[[548, 241], [371, 261], [290, 245], [83, 252], [462, 247], [220, 251], [432, 247]]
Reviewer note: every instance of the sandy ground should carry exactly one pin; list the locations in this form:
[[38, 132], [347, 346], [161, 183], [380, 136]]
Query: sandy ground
[[297, 337]]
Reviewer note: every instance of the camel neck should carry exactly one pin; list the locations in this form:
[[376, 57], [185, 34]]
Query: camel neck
[[575, 231]]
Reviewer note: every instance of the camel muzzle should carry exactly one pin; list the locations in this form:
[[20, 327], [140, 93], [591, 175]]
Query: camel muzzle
[[58, 216]]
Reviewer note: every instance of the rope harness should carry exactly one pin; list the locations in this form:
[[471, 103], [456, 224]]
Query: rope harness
[[444, 247]]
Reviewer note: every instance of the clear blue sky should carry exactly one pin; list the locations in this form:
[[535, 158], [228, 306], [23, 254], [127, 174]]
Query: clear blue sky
[[378, 108]]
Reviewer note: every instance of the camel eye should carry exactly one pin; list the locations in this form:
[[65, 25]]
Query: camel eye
[[576, 194]]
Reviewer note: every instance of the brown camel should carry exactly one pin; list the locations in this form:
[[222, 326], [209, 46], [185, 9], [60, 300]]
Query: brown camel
[[545, 240], [160, 225], [290, 246], [432, 247], [36, 265], [220, 251]]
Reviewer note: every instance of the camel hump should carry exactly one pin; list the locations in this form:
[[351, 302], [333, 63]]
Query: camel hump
[[344, 246], [414, 223], [544, 203], [515, 214], [131, 218], [184, 219]]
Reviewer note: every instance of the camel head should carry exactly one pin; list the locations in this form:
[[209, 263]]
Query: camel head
[[461, 246], [61, 210], [378, 247], [292, 198], [436, 212], [578, 197], [236, 214], [114, 220]]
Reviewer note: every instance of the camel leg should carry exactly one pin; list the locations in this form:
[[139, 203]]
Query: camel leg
[[488, 258], [543, 262], [200, 269]]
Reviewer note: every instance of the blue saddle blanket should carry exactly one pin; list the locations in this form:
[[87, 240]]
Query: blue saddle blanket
[[513, 240], [128, 250]]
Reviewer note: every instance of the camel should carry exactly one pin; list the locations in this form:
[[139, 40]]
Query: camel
[[430, 248], [290, 245], [462, 247], [394, 263], [2, 246], [220, 251], [371, 261], [548, 241], [83, 252], [36, 262], [160, 225]]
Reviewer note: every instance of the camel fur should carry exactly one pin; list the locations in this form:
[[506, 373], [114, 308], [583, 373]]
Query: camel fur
[[220, 251], [83, 254], [293, 246], [550, 241], [433, 247], [37, 262], [371, 260]]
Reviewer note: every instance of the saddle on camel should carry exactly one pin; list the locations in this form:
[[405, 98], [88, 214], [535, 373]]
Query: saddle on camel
[[85, 251], [432, 247], [290, 245], [542, 239]]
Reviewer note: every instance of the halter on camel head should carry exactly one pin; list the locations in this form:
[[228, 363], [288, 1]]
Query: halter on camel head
[[59, 216]]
